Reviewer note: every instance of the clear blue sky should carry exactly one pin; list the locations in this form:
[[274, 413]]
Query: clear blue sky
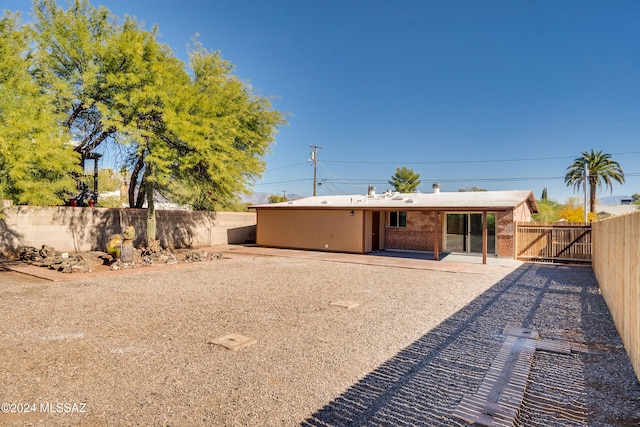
[[499, 94]]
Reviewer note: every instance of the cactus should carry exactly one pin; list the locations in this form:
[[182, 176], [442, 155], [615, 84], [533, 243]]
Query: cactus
[[126, 248], [120, 246], [114, 245], [129, 233]]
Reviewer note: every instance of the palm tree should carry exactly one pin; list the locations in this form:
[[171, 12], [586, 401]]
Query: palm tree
[[601, 170]]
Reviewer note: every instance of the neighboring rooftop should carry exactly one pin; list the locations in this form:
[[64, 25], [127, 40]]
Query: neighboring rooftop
[[615, 200], [616, 209]]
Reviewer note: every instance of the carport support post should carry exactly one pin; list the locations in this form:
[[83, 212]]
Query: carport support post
[[436, 255], [484, 237]]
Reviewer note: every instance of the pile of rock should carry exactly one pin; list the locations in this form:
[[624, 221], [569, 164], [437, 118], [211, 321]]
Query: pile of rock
[[48, 257], [154, 256], [84, 262]]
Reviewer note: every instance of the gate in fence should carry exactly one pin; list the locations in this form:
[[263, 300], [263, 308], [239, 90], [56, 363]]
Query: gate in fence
[[553, 242]]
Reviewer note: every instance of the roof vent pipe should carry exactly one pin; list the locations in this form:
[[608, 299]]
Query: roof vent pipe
[[436, 187], [371, 191]]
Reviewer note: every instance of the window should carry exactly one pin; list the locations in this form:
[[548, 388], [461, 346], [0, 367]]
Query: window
[[397, 219]]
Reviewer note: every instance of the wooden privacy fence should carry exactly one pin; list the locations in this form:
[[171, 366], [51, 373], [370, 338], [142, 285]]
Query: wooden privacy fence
[[616, 264], [553, 242]]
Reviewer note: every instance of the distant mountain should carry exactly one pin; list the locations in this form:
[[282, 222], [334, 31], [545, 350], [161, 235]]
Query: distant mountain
[[263, 198]]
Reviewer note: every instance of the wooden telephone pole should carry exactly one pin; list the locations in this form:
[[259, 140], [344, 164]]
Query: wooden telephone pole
[[314, 159]]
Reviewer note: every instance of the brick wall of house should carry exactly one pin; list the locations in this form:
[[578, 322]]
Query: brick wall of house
[[419, 233], [505, 230], [417, 236]]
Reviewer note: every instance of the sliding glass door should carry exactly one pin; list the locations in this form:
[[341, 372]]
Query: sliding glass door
[[464, 233]]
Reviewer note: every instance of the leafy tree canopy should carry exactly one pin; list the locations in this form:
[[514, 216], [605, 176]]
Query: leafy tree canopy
[[197, 134], [573, 211], [36, 160], [275, 198], [547, 211], [405, 180]]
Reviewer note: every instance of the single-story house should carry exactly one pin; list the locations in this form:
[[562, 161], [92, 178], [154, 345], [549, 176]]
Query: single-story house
[[480, 222]]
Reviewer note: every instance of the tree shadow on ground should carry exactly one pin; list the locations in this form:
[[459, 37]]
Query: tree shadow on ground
[[423, 384]]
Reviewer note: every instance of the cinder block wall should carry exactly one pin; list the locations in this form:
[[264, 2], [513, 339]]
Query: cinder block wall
[[74, 229]]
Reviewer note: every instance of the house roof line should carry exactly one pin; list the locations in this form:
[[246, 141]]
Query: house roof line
[[441, 201], [392, 208]]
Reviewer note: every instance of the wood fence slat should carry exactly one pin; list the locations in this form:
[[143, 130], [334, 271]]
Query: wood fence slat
[[553, 242], [617, 268]]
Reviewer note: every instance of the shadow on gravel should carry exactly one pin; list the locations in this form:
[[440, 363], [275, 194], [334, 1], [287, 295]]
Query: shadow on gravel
[[423, 384]]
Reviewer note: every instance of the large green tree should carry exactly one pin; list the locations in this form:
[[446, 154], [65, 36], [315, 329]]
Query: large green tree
[[405, 180], [197, 133], [36, 159], [602, 171], [547, 210]]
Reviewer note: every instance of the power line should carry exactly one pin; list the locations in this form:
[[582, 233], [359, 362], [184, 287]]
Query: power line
[[283, 182], [440, 180], [288, 166], [526, 159]]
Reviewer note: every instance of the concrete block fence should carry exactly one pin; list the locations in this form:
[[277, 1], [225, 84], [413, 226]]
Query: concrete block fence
[[79, 229]]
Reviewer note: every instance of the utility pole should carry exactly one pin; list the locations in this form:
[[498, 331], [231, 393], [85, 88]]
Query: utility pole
[[314, 159], [586, 182]]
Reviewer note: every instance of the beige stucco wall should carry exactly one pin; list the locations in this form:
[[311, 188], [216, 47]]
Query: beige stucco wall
[[522, 213], [326, 230], [74, 229]]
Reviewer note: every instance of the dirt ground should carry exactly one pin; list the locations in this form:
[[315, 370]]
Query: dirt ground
[[136, 348]]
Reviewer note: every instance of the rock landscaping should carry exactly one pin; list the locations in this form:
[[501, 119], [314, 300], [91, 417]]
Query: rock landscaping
[[85, 262]]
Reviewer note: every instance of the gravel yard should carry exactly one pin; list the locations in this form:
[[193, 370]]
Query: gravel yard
[[135, 349]]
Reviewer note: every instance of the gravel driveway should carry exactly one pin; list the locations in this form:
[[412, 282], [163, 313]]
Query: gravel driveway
[[136, 349]]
